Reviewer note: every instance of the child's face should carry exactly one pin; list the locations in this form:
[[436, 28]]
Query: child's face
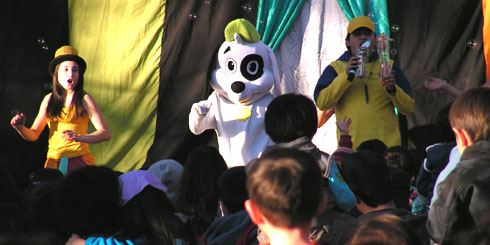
[[68, 74]]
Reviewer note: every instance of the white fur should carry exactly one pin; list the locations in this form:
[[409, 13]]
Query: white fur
[[239, 141]]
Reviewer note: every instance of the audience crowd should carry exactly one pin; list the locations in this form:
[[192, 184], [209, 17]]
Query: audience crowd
[[292, 194]]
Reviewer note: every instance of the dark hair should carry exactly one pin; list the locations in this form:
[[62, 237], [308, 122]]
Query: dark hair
[[87, 201], [197, 193], [41, 209], [150, 214], [375, 145], [400, 157], [58, 96], [368, 177], [289, 117], [232, 188], [285, 185], [442, 121], [347, 39], [9, 192], [471, 112], [45, 174], [385, 229]]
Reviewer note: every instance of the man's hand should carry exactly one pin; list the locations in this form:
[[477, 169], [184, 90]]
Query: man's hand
[[389, 82], [353, 64]]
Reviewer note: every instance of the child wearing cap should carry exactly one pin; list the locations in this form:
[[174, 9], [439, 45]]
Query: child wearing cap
[[66, 111], [368, 100]]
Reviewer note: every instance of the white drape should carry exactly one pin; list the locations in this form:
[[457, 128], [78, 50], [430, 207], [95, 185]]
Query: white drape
[[316, 39]]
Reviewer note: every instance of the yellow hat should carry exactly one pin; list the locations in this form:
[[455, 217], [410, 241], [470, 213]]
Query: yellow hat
[[67, 53], [360, 21]]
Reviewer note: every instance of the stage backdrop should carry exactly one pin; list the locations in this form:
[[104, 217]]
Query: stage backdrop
[[148, 61]]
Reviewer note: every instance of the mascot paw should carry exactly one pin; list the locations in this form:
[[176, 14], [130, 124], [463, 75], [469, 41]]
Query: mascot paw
[[201, 108]]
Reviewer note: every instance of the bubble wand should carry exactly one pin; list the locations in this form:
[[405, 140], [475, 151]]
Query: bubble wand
[[384, 56]]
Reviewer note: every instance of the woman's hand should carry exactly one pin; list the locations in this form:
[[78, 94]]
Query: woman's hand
[[70, 135], [18, 121]]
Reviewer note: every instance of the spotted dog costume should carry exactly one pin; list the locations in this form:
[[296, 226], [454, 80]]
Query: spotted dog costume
[[244, 84]]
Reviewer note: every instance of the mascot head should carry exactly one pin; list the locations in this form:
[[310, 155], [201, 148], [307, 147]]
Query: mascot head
[[247, 67]]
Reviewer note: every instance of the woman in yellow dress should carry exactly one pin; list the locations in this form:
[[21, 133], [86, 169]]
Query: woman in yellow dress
[[66, 111]]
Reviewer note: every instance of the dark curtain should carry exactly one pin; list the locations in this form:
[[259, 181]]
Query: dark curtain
[[30, 33], [437, 38], [189, 48]]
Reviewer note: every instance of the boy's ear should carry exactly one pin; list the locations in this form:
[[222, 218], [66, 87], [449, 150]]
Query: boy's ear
[[254, 213], [463, 139]]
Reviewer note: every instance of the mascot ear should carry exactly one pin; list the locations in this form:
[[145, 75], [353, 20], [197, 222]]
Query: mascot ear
[[277, 90], [238, 38]]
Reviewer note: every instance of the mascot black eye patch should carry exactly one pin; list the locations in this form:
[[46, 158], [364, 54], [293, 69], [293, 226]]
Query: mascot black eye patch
[[252, 67]]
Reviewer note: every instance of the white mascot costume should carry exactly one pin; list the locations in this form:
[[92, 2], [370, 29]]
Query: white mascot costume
[[244, 84]]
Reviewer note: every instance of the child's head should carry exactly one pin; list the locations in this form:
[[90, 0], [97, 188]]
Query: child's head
[[197, 188], [368, 177], [289, 117], [284, 186], [400, 157], [87, 201], [169, 172], [232, 189], [385, 229], [375, 145], [67, 69], [471, 112]]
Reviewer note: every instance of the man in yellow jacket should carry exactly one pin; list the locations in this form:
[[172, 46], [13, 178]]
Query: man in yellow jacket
[[368, 100]]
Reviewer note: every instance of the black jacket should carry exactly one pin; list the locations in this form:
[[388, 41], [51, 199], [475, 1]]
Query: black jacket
[[463, 201]]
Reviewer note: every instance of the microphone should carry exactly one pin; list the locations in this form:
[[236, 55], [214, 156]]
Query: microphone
[[351, 75], [361, 53]]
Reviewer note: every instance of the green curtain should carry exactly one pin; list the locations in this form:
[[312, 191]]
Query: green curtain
[[374, 9], [121, 42], [274, 18]]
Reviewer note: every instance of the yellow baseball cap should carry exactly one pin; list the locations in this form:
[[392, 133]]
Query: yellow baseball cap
[[360, 21]]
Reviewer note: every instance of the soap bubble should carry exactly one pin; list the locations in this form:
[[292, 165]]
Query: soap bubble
[[41, 41], [207, 2], [472, 43], [192, 16], [466, 80], [395, 28], [48, 86], [14, 112], [247, 7], [393, 52]]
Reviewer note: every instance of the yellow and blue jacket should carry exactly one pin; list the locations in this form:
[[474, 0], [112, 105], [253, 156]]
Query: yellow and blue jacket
[[365, 100]]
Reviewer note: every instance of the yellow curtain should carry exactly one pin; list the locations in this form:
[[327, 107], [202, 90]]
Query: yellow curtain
[[121, 43]]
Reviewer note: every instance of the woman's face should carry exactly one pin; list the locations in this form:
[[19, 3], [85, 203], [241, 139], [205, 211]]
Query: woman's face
[[68, 74]]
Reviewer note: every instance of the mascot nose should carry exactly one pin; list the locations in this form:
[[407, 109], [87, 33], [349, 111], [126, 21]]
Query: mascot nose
[[237, 87]]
